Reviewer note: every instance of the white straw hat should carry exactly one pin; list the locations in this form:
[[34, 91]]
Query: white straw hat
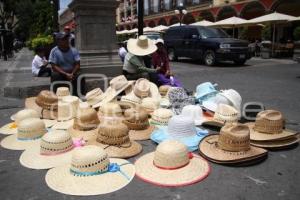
[[30, 131], [171, 165], [91, 172], [142, 88], [94, 96], [55, 149], [141, 46], [62, 92], [234, 97]]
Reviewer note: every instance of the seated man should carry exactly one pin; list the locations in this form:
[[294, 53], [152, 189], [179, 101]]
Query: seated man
[[65, 61], [39, 64]]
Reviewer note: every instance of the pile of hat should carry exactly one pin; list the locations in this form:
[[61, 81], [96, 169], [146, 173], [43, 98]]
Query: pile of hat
[[84, 142]]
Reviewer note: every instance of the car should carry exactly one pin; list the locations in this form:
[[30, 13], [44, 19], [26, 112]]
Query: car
[[211, 45], [151, 35]]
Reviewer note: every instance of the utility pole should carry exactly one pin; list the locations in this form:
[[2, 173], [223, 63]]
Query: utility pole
[[55, 6], [140, 17]]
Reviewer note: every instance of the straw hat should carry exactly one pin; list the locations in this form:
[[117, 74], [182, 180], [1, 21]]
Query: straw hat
[[91, 172], [150, 104], [111, 110], [117, 85], [163, 89], [180, 128], [47, 100], [62, 92], [130, 100], [195, 112], [161, 117], [178, 99], [141, 46], [224, 114], [142, 88], [94, 96], [30, 131], [85, 124], [138, 124], [212, 103], [164, 102], [204, 91], [67, 108], [234, 97], [113, 136], [55, 149], [277, 144], [232, 145], [171, 165], [269, 126]]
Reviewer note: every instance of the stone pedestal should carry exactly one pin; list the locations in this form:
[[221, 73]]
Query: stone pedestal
[[95, 35]]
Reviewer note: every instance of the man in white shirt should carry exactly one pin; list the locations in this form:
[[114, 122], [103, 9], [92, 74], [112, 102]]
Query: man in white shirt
[[39, 64]]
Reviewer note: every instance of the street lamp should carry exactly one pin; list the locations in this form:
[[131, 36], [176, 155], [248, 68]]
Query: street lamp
[[181, 11]]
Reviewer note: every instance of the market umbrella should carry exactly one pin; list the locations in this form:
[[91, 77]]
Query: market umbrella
[[177, 24], [148, 29], [122, 32], [160, 28], [135, 30], [203, 23], [272, 18], [297, 19]]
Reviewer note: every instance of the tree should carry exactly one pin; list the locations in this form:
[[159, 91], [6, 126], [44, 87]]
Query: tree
[[8, 13]]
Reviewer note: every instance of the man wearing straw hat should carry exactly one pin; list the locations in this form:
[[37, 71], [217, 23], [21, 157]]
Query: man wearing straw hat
[[134, 66]]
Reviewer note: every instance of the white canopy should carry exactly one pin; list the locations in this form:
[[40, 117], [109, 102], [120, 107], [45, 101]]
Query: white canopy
[[230, 22], [160, 28], [135, 30], [122, 32], [297, 19], [273, 17], [203, 23], [177, 24], [148, 29]]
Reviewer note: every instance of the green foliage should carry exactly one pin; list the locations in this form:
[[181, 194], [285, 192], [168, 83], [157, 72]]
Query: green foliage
[[296, 33], [266, 33], [40, 41]]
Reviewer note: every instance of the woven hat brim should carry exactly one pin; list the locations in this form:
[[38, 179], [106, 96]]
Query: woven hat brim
[[141, 134], [208, 148], [31, 158], [197, 170], [61, 180], [274, 144], [7, 130], [63, 125], [212, 122], [258, 136], [89, 136], [138, 51], [47, 114], [11, 142], [121, 152]]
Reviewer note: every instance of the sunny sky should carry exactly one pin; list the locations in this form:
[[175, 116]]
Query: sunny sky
[[64, 4]]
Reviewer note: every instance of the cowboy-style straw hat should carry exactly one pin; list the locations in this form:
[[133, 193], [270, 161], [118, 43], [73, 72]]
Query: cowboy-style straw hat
[[180, 128], [85, 124], [30, 131], [232, 145], [110, 110], [150, 104], [62, 92], [161, 117], [142, 88], [269, 126], [277, 144], [171, 165], [130, 100], [141, 46], [90, 172], [94, 96], [138, 124], [113, 136], [55, 149], [224, 114]]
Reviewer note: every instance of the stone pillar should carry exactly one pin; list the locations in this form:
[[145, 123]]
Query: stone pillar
[[95, 35]]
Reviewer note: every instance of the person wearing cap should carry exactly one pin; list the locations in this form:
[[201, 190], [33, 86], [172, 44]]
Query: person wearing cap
[[160, 60], [134, 66], [67, 30], [39, 64], [65, 62]]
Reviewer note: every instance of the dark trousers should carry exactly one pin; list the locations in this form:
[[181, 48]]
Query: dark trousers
[[55, 76], [44, 72]]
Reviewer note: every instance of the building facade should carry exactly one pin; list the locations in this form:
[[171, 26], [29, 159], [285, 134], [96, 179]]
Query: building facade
[[161, 12]]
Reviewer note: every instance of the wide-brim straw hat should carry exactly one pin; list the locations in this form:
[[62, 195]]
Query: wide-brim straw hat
[[277, 144], [47, 114], [258, 136], [196, 170], [61, 180], [13, 143], [141, 46], [209, 149], [141, 134], [88, 136]]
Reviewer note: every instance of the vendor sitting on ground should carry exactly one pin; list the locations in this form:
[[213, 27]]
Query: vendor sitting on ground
[[134, 66], [65, 63], [160, 61], [39, 64]]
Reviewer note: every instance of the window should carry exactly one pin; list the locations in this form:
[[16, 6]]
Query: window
[[190, 32], [146, 7], [212, 33]]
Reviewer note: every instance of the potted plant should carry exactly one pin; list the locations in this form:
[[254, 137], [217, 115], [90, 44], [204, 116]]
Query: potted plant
[[296, 35], [266, 44]]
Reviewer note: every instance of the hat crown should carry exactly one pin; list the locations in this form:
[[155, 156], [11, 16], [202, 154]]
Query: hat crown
[[62, 91], [142, 88], [89, 160], [234, 137], [150, 103], [142, 41], [176, 94], [47, 100], [113, 132], [67, 108], [269, 121], [131, 98], [162, 116], [26, 113], [55, 142], [205, 89], [118, 82], [111, 110], [86, 118], [93, 93], [171, 154], [234, 97], [31, 128], [136, 115], [180, 126], [163, 89], [193, 111], [226, 113]]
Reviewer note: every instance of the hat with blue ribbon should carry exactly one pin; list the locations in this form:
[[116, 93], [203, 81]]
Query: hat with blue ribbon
[[180, 128]]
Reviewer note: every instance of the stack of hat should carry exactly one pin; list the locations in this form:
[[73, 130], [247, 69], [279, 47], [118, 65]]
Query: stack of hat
[[111, 110], [113, 136], [137, 121], [161, 117], [231, 146], [268, 131], [62, 92]]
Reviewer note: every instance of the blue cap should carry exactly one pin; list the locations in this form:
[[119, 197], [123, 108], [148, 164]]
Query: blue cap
[[61, 35]]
